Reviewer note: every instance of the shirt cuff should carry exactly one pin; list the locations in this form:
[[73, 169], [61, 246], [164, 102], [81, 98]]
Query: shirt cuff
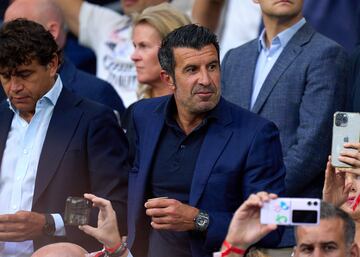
[[217, 254], [59, 225]]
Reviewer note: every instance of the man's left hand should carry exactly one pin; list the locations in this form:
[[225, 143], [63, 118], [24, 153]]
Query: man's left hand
[[171, 214], [21, 226]]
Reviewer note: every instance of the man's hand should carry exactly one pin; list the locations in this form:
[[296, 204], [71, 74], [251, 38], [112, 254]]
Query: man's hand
[[335, 191], [245, 228], [21, 226], [107, 230], [170, 214]]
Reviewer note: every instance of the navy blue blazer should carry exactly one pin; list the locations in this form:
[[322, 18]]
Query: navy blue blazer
[[84, 150], [353, 100], [2, 94], [304, 88], [89, 86], [240, 155]]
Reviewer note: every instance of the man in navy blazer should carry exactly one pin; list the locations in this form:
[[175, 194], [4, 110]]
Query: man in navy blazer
[[198, 156], [296, 78], [86, 85], [53, 144], [300, 93]]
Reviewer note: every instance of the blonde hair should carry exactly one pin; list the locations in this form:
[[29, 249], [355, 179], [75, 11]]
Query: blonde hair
[[164, 18]]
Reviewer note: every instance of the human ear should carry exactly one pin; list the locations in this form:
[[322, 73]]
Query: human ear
[[167, 79], [354, 251]]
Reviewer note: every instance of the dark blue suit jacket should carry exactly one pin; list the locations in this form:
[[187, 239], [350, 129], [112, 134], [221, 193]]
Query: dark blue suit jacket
[[90, 87], [353, 100], [240, 155], [2, 94], [84, 150]]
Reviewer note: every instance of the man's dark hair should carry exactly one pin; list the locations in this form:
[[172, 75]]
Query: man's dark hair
[[190, 36], [329, 211], [22, 40]]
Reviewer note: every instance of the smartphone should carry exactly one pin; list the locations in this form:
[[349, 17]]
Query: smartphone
[[291, 211], [77, 211], [346, 129]]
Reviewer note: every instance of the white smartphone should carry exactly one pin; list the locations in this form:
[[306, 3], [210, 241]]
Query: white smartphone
[[291, 211], [346, 129]]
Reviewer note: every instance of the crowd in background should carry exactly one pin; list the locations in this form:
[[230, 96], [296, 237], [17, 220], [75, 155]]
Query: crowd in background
[[177, 125]]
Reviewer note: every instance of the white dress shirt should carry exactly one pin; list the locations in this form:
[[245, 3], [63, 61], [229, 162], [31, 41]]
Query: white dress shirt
[[19, 166]]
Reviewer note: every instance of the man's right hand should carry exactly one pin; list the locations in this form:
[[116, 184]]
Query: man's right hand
[[21, 226], [245, 228], [107, 230]]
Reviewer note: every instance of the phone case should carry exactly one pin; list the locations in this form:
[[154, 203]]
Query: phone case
[[291, 211], [345, 130]]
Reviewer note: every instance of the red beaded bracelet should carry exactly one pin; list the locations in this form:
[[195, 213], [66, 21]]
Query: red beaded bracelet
[[230, 248], [112, 250]]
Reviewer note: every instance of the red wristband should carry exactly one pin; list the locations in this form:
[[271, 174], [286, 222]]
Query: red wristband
[[112, 250], [229, 248]]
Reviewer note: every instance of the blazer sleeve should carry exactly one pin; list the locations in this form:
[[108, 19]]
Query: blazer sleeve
[[264, 171], [324, 93], [108, 167]]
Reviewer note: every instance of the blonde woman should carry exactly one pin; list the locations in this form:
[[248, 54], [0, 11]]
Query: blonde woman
[[150, 27]]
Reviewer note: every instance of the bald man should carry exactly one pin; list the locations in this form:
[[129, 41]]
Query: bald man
[[46, 13], [60, 250]]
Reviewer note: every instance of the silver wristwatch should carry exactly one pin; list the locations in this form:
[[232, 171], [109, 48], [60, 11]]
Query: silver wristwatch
[[201, 221]]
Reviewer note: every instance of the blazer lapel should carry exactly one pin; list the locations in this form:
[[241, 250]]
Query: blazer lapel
[[289, 54], [214, 142], [63, 124], [6, 116], [151, 137], [249, 59]]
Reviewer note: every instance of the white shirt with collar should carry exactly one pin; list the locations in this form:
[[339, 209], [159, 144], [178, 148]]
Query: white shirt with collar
[[19, 166], [269, 55]]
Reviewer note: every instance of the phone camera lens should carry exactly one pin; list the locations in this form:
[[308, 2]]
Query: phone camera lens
[[341, 120], [345, 119], [309, 203], [315, 203], [338, 119]]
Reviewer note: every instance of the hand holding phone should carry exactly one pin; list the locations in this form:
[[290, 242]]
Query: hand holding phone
[[346, 129], [77, 211], [291, 211]]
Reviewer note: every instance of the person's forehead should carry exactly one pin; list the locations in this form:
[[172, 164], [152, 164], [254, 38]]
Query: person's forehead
[[329, 230], [186, 54], [33, 62]]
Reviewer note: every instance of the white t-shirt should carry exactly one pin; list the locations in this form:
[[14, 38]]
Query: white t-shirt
[[242, 23], [108, 34]]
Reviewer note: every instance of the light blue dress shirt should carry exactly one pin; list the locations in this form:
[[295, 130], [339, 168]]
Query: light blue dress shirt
[[19, 166], [268, 56]]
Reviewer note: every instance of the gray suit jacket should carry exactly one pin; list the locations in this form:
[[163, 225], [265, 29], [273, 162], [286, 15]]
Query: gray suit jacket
[[305, 87]]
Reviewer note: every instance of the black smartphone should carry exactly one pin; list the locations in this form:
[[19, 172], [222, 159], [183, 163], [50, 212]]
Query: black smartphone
[[77, 211]]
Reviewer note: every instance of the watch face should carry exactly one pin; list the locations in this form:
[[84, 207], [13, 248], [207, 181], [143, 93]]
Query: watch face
[[49, 227], [202, 221]]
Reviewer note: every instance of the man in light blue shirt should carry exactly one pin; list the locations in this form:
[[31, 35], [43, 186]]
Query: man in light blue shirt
[[53, 144], [296, 78], [269, 55]]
